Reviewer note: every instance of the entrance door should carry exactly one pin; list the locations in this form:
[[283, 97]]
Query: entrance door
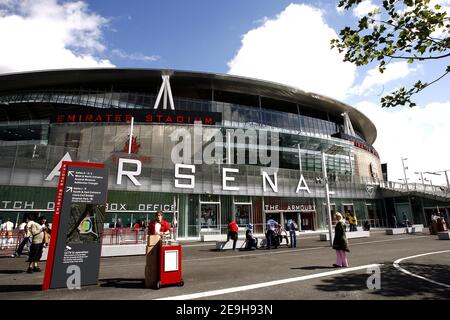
[[243, 213], [209, 215], [371, 213], [401, 210], [307, 220]]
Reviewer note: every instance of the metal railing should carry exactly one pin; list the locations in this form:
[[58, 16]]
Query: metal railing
[[418, 187]]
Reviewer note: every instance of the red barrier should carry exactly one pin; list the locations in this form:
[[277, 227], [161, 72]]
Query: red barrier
[[10, 240]]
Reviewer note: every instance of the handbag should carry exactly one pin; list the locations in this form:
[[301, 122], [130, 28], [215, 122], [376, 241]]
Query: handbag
[[46, 238]]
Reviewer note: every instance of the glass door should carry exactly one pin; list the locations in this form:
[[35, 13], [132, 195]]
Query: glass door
[[243, 213], [209, 215], [333, 213], [307, 222]]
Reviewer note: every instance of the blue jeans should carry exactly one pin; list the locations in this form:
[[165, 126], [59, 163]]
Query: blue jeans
[[25, 240], [293, 239], [270, 237]]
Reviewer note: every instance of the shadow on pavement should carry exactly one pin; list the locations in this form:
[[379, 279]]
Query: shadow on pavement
[[123, 283], [394, 283], [20, 287], [11, 271], [313, 268]]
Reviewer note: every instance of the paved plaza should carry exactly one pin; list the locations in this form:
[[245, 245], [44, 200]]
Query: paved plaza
[[278, 274]]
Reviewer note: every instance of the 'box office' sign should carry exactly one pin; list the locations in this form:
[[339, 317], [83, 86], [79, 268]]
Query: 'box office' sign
[[76, 237]]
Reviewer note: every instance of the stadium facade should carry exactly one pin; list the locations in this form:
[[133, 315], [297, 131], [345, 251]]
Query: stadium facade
[[204, 147]]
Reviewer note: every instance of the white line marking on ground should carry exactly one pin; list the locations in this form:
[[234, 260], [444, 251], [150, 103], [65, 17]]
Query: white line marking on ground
[[265, 284], [294, 250], [397, 266]]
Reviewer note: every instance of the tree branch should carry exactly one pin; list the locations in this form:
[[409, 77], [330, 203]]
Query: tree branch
[[435, 80], [419, 58], [396, 27]]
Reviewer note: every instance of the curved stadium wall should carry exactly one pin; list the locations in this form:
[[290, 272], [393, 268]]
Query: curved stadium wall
[[256, 147]]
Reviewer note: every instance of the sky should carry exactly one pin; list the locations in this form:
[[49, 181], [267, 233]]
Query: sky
[[276, 40]]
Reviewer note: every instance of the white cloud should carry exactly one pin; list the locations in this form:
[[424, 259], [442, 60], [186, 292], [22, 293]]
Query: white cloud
[[134, 56], [419, 134], [364, 8], [47, 34], [445, 7], [374, 79], [294, 49]]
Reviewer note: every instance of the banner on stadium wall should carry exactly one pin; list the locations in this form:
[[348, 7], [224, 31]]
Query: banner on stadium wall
[[77, 226]]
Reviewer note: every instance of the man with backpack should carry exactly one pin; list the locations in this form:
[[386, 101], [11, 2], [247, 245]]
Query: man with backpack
[[292, 227]]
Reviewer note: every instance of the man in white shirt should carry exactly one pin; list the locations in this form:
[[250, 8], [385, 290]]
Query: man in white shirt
[[7, 237]]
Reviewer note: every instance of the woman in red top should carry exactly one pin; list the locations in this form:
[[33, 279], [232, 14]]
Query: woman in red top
[[159, 226], [232, 232]]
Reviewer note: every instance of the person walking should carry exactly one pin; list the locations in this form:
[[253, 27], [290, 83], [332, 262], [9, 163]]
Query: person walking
[[351, 217], [232, 232], [37, 232], [292, 227], [340, 242], [24, 229]]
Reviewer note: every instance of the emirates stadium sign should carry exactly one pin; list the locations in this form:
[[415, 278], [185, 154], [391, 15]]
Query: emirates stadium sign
[[95, 115]]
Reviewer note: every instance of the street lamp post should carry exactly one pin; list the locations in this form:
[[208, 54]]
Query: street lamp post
[[331, 150], [327, 194], [438, 173], [421, 178], [404, 172], [130, 142]]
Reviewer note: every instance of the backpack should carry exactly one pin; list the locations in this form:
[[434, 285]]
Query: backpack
[[293, 226]]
